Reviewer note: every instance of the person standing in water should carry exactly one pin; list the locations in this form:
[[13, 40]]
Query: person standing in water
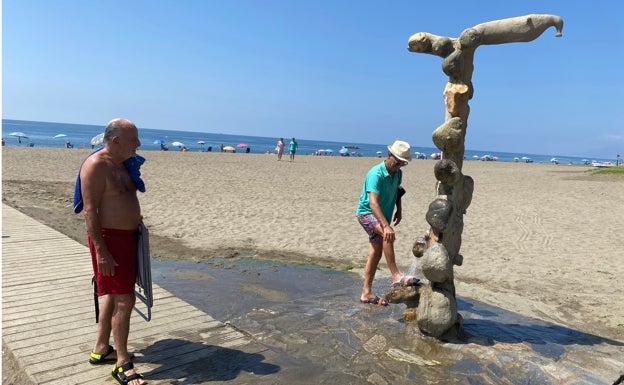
[[381, 193]]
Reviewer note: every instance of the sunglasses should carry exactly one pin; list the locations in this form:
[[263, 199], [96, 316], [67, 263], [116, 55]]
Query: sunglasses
[[399, 162]]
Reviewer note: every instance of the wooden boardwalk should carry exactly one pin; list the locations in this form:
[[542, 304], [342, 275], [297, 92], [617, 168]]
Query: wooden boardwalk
[[48, 320]]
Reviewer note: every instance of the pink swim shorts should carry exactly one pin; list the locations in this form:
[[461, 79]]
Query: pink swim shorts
[[369, 222]]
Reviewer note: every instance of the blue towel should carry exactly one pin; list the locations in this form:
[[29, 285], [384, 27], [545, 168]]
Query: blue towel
[[133, 166]]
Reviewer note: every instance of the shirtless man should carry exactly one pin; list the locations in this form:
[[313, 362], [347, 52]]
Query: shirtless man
[[113, 214]]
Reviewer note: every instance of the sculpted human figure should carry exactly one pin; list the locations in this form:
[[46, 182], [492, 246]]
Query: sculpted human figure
[[438, 250]]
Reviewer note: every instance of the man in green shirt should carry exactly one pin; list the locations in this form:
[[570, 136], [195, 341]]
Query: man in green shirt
[[381, 192]]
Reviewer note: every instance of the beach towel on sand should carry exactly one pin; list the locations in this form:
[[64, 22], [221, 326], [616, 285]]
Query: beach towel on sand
[[133, 166]]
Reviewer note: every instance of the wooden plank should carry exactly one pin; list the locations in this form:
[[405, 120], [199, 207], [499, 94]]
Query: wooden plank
[[48, 316]]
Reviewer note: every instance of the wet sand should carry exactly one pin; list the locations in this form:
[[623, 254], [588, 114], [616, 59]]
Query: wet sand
[[541, 241], [307, 316]]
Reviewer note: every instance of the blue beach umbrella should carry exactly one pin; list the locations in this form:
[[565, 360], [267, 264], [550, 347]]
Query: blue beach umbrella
[[19, 135], [159, 141], [60, 136], [343, 151]]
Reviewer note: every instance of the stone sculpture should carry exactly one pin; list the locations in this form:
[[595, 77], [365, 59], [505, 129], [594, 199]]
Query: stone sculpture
[[434, 306]]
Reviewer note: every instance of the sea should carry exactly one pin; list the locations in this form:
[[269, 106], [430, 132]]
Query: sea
[[51, 134]]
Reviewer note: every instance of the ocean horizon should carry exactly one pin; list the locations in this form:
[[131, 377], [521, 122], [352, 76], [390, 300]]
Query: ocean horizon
[[54, 134]]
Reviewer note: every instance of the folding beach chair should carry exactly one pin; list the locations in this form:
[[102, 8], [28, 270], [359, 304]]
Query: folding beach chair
[[143, 288]]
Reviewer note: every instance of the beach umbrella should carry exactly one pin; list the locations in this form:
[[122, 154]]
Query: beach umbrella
[[228, 148], [159, 141], [344, 151], [98, 139], [329, 150], [241, 145], [177, 144], [60, 136], [201, 143], [19, 135]]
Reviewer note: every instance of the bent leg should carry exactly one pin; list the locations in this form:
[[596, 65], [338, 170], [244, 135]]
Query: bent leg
[[388, 250]]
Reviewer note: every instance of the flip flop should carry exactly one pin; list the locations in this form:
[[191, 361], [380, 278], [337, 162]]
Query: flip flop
[[100, 359], [375, 301], [407, 280], [119, 374]]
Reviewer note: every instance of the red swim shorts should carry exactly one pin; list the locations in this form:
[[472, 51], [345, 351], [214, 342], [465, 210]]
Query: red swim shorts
[[123, 246]]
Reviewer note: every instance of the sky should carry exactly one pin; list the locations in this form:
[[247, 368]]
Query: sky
[[336, 70]]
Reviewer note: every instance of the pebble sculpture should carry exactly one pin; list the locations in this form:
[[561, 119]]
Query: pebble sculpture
[[433, 306]]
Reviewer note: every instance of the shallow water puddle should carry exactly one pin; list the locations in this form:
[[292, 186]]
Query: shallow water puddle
[[311, 317]]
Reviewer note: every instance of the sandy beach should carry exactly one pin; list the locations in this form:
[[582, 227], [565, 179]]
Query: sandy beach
[[542, 240]]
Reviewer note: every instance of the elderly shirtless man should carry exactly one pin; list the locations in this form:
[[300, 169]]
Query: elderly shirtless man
[[113, 214]]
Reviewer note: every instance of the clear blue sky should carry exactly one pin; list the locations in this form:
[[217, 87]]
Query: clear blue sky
[[333, 70]]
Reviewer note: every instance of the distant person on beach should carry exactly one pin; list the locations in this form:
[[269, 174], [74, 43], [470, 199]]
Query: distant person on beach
[[3, 142], [280, 148], [113, 214], [381, 192], [292, 147]]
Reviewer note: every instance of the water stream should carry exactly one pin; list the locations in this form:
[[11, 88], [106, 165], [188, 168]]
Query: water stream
[[312, 318]]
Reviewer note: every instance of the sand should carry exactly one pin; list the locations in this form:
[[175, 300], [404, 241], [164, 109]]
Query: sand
[[542, 240]]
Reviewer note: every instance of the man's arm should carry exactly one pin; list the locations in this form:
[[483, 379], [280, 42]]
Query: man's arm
[[399, 212], [386, 230], [93, 185]]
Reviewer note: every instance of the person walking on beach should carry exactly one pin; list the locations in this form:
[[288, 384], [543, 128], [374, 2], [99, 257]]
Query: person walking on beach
[[381, 192], [293, 146], [280, 148], [113, 214]]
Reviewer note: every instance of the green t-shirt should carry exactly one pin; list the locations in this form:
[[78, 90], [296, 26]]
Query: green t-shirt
[[379, 181]]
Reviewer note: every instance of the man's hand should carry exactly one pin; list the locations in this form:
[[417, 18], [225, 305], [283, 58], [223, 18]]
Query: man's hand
[[106, 264], [397, 217], [388, 234]]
